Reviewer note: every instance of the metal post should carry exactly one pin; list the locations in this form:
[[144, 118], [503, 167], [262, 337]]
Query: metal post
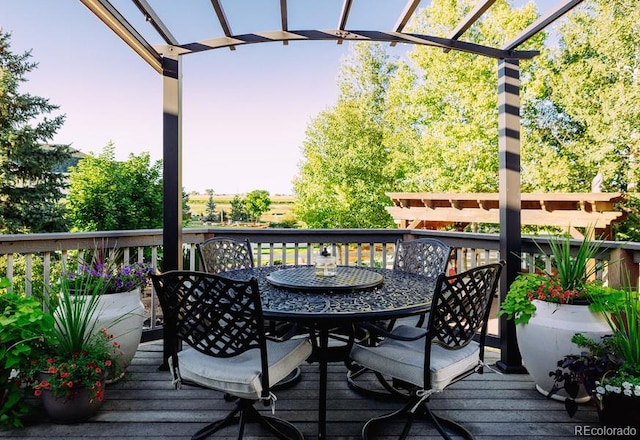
[[510, 205], [172, 173]]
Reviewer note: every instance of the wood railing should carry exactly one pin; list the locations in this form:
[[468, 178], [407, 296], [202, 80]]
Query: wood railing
[[40, 256]]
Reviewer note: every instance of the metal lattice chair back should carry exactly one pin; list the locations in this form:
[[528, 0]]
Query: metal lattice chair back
[[461, 305], [216, 316], [425, 256], [219, 254]]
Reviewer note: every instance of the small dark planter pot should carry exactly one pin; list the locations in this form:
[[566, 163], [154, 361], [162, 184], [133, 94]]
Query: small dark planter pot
[[620, 411], [75, 408]]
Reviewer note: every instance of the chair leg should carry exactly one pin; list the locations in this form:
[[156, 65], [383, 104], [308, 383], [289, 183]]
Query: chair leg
[[245, 412], [410, 413]]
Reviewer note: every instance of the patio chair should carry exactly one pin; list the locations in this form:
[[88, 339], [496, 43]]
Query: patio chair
[[221, 321], [446, 353], [220, 254], [425, 256]]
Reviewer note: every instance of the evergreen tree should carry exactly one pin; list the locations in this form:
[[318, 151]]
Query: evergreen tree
[[210, 210], [32, 177]]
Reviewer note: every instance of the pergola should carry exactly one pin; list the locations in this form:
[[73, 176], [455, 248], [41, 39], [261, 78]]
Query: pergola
[[595, 212], [165, 58]]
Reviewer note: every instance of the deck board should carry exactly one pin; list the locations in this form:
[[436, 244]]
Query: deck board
[[144, 405]]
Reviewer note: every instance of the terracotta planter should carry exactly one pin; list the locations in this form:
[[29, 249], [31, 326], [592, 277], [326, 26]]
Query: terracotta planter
[[122, 314], [546, 339]]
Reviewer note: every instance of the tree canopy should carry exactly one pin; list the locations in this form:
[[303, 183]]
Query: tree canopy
[[106, 194], [429, 123], [32, 176]]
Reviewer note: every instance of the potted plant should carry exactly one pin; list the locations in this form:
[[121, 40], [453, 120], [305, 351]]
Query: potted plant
[[609, 368], [549, 307], [119, 306], [69, 375]]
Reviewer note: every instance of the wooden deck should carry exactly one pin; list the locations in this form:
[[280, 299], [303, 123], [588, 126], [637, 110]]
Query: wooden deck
[[144, 405]]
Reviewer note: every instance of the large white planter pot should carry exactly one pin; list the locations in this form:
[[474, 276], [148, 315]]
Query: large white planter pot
[[546, 339], [122, 314]]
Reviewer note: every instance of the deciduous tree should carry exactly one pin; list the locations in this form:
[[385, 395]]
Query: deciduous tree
[[256, 203], [106, 194]]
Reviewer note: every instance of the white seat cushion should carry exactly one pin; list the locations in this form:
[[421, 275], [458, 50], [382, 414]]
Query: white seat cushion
[[404, 360], [240, 375]]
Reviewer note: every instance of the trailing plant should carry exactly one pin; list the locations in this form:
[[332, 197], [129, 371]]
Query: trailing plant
[[23, 329]]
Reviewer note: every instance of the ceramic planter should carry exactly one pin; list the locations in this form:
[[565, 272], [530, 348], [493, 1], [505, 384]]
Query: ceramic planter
[[122, 314], [546, 339]]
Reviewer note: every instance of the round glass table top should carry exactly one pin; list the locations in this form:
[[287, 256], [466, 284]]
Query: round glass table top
[[346, 279]]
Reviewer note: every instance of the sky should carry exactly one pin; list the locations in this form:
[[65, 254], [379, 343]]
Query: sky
[[245, 112]]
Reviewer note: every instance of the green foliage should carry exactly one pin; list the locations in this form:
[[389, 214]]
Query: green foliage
[[257, 202], [106, 195], [185, 208], [31, 182], [568, 283], [210, 210], [574, 271], [517, 305], [427, 125], [23, 329], [238, 209], [585, 106], [345, 175], [623, 318]]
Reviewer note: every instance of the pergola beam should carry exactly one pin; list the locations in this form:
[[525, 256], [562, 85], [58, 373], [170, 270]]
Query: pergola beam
[[541, 23], [284, 18], [222, 18], [406, 15], [121, 27], [352, 35], [473, 16], [151, 16], [344, 15]]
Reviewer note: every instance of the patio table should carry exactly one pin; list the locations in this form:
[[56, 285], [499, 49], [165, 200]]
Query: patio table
[[320, 304]]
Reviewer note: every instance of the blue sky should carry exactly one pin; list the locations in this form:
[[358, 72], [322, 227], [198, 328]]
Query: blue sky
[[245, 111]]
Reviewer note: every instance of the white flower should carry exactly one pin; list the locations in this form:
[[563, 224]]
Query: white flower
[[600, 390], [636, 392], [626, 385], [627, 392]]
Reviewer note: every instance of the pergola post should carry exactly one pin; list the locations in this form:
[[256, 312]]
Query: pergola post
[[171, 176], [172, 163], [509, 182]]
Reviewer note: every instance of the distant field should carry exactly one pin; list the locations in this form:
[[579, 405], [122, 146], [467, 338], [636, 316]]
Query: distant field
[[281, 206]]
